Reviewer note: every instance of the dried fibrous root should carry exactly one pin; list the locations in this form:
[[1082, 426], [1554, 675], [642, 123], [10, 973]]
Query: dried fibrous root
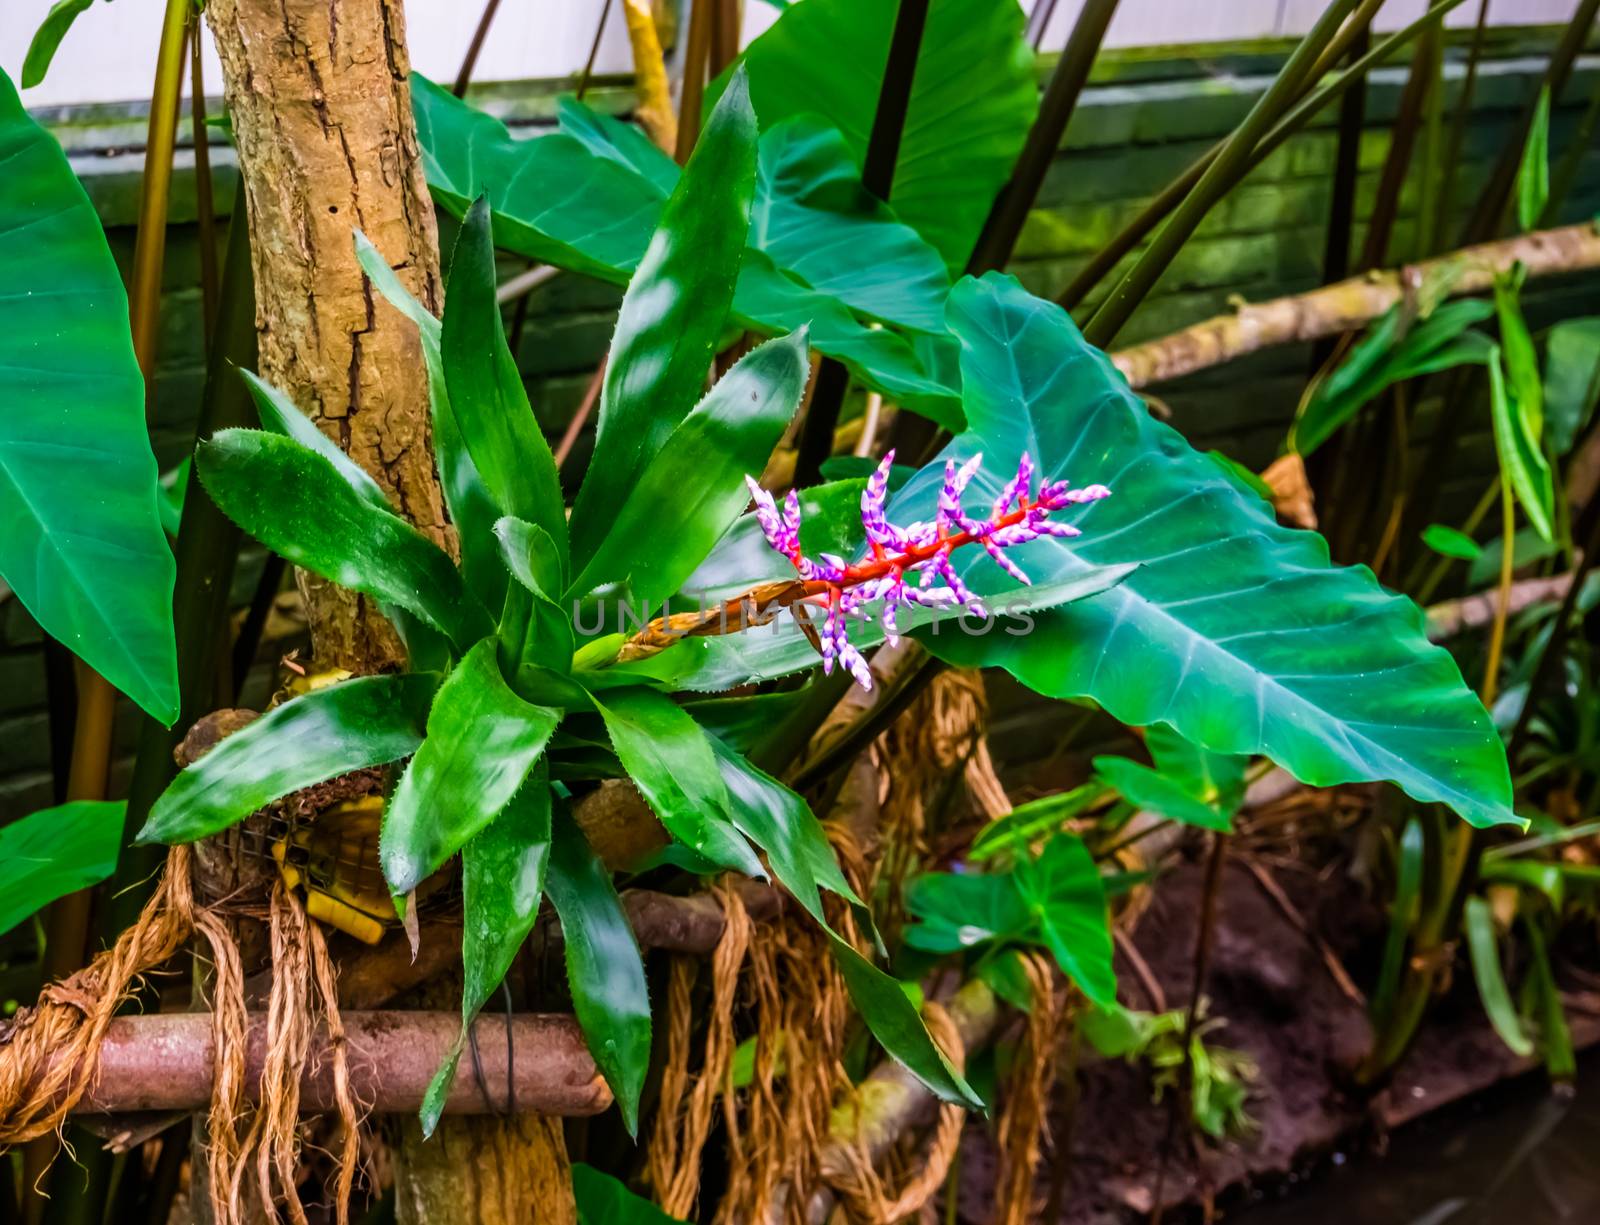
[[48, 1052], [777, 1125], [1023, 1122], [866, 1196], [304, 993], [917, 758], [690, 1102]]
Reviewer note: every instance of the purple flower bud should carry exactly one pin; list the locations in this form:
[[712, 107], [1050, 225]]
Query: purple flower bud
[[921, 549], [872, 503], [1017, 489], [1005, 563]]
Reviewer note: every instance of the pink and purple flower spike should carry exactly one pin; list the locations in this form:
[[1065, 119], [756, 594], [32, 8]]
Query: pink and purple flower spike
[[923, 550]]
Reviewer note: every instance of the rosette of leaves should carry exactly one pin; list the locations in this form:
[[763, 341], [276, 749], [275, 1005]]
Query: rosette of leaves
[[510, 708]]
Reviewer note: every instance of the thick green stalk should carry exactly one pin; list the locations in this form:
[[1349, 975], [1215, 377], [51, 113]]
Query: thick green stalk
[[1230, 165], [204, 194], [1428, 195], [1462, 120], [1397, 162], [877, 176], [1346, 171], [1495, 198], [208, 545], [470, 60], [1508, 565], [695, 57], [1173, 194], [1011, 206]]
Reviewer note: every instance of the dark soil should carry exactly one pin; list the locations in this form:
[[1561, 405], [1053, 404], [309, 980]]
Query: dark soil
[[1282, 1006]]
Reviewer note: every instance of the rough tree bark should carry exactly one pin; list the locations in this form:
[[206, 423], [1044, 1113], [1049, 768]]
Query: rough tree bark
[[319, 95], [321, 107]]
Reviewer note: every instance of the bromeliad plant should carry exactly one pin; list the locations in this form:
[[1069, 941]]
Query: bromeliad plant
[[1180, 604]]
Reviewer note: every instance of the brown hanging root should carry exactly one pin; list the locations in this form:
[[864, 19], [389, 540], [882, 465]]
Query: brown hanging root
[[325, 979], [915, 757], [865, 1194], [1022, 1115], [49, 1052], [223, 1150], [678, 1138], [777, 1125]]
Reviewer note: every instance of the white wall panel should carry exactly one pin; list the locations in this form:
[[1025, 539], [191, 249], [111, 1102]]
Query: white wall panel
[[109, 54]]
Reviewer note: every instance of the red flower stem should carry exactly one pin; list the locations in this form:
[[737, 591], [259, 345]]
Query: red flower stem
[[915, 555]]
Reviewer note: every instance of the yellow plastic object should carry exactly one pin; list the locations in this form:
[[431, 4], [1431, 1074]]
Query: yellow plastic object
[[346, 918], [335, 858]]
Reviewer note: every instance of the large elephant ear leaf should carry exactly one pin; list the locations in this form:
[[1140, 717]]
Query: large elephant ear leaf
[[672, 315], [80, 533], [502, 880], [56, 851], [1238, 632], [973, 98]]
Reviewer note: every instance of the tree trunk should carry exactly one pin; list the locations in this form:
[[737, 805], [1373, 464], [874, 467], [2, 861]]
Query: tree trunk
[[321, 106], [319, 94], [510, 1171]]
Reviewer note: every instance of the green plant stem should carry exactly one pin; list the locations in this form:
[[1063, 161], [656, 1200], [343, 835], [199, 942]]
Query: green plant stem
[[1346, 172], [696, 55], [1566, 172], [1228, 167], [1462, 120], [470, 60], [1497, 632], [1202, 961], [1148, 218], [1549, 664], [877, 176], [1004, 224], [1495, 198], [248, 643], [1441, 566], [1430, 949], [1397, 161], [155, 194], [1431, 48], [208, 545], [205, 201]]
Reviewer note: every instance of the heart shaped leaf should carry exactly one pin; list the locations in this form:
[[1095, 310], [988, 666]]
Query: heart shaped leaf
[[1238, 632]]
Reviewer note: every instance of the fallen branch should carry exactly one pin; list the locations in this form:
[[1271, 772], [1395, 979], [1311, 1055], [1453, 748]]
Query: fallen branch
[[1352, 304], [1452, 617], [165, 1062], [890, 1102]]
